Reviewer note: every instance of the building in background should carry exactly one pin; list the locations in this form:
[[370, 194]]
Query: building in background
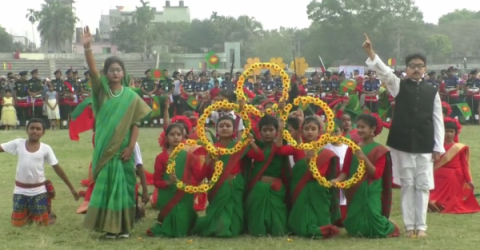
[[170, 13]]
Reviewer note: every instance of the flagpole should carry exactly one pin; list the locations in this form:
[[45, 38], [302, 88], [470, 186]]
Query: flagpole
[[321, 61]]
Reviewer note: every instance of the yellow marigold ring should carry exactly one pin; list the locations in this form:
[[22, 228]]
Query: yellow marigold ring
[[241, 142]]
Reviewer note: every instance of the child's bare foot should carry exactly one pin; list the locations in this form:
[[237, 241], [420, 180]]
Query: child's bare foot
[[421, 234], [410, 234]]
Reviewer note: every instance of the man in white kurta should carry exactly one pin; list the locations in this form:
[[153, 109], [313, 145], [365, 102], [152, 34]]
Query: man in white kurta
[[413, 171]]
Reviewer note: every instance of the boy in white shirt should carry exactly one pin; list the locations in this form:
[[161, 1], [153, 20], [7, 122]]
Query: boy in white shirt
[[30, 196], [340, 150]]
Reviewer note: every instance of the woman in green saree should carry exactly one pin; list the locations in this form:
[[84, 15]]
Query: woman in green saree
[[266, 211], [176, 215], [369, 200], [118, 112], [314, 207], [224, 214]]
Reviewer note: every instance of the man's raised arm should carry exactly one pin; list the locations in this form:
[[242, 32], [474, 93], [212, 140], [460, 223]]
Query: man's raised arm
[[385, 73]]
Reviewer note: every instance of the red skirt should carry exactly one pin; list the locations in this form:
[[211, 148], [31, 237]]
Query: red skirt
[[370, 98], [38, 102], [23, 104], [476, 96], [67, 102]]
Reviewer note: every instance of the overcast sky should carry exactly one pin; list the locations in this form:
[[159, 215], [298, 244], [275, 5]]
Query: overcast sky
[[265, 11]]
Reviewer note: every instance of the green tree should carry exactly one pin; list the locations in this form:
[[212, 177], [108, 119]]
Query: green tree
[[463, 34], [128, 38], [6, 40], [33, 17], [56, 23], [201, 35], [341, 23], [170, 35], [143, 18], [458, 15], [438, 46]]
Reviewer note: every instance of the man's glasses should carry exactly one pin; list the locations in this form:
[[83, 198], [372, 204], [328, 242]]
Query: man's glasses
[[115, 71], [416, 66]]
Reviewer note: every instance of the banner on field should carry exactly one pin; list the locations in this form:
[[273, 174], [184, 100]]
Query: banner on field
[[348, 69]]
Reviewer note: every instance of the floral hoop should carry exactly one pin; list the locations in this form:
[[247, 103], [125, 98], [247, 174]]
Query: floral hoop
[[202, 188], [242, 142], [324, 137], [256, 66], [322, 141]]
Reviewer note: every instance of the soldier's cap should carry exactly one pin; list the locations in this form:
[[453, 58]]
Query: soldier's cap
[[267, 73], [342, 73], [431, 73], [451, 68], [9, 73], [57, 72], [75, 72], [86, 72], [202, 74], [313, 74], [473, 72], [68, 71], [147, 71], [335, 73], [34, 71], [369, 72], [238, 73], [328, 73], [23, 73]]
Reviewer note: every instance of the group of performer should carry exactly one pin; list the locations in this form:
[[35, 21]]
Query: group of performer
[[268, 187]]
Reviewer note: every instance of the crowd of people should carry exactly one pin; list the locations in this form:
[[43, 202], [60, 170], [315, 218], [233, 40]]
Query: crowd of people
[[267, 187]]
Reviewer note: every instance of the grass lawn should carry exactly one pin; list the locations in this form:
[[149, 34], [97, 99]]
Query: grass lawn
[[445, 231]]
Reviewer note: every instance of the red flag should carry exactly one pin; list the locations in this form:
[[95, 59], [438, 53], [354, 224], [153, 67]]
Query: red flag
[[84, 122]]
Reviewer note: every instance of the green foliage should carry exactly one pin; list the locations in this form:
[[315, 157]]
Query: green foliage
[[56, 23], [459, 15], [6, 41], [128, 38], [438, 45]]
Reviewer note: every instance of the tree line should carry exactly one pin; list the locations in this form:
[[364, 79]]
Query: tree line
[[337, 26]]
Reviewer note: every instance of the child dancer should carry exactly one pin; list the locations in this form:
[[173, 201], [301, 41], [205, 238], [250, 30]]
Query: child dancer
[[9, 114], [369, 200], [314, 207], [176, 215], [225, 212], [31, 195]]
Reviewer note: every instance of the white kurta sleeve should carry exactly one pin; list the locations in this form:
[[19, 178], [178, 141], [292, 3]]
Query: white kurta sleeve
[[385, 74], [438, 127], [137, 155]]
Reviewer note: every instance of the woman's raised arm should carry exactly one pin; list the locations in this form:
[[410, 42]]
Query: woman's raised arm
[[87, 42]]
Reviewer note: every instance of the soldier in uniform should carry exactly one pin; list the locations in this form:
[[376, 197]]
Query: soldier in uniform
[[227, 83], [452, 85], [165, 88], [21, 98], [432, 79], [84, 87], [149, 88], [472, 88], [57, 83], [69, 100], [336, 85], [268, 86], [326, 87], [188, 90], [278, 88], [371, 88], [203, 91], [35, 90]]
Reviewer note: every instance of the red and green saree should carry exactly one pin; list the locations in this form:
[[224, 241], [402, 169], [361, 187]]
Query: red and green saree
[[369, 201], [266, 212], [176, 216], [224, 215], [112, 204], [314, 207]]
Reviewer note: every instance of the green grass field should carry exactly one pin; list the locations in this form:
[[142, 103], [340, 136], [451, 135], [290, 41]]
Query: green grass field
[[445, 231]]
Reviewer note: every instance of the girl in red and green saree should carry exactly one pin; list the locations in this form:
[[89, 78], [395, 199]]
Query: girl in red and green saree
[[224, 215], [118, 111], [453, 193], [314, 207], [369, 200], [176, 215], [265, 208]]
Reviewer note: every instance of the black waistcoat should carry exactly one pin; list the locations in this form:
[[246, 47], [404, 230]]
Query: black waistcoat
[[412, 126]]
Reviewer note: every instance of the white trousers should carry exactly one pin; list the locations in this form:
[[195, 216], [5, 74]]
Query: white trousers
[[414, 172]]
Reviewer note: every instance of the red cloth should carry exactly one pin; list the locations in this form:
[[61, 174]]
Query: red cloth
[[287, 150], [214, 92], [84, 122], [249, 93], [379, 165], [161, 162], [251, 154], [451, 190]]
